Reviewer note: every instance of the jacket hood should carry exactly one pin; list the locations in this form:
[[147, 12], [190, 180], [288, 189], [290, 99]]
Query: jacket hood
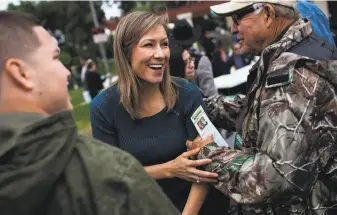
[[34, 150]]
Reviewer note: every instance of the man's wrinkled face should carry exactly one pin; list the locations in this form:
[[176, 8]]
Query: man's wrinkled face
[[250, 32], [49, 75]]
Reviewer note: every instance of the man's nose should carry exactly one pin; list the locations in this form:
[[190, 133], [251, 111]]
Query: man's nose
[[234, 29], [68, 74]]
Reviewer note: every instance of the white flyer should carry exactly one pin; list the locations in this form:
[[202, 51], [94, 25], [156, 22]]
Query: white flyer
[[206, 128]]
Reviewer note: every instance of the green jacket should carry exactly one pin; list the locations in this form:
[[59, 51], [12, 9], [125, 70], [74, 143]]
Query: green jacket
[[47, 168]]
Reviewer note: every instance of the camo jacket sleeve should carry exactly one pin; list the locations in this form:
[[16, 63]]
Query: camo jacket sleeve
[[223, 111], [288, 146]]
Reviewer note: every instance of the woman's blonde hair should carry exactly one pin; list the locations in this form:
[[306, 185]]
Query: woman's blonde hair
[[129, 31]]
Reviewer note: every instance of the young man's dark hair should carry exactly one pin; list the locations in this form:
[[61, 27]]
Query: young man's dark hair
[[17, 37]]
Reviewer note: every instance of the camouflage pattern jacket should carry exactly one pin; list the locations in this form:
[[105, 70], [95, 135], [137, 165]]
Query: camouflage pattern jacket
[[288, 162]]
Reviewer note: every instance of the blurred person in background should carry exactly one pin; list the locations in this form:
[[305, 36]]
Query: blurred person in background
[[148, 113], [221, 56], [46, 167], [181, 63], [208, 44], [93, 80], [184, 35], [84, 70], [237, 59]]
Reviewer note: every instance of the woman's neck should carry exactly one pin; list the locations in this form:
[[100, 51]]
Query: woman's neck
[[151, 99], [148, 91]]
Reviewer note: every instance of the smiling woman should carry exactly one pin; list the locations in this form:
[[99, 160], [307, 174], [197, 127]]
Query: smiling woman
[[147, 113], [150, 56], [141, 40]]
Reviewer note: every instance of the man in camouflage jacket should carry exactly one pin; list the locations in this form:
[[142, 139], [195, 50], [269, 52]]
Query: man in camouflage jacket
[[288, 161]]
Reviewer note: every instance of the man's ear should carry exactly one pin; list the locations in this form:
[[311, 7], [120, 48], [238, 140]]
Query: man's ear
[[269, 15], [16, 70]]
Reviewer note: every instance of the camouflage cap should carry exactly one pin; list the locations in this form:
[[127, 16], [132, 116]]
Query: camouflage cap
[[228, 8]]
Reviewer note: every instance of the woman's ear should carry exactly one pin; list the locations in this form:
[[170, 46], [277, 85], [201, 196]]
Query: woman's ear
[[269, 15]]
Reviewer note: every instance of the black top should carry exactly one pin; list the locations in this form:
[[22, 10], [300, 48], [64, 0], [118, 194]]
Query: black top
[[152, 140]]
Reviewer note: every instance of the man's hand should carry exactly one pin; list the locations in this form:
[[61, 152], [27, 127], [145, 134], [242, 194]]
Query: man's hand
[[198, 142]]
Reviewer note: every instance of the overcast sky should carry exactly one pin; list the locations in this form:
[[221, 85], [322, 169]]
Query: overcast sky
[[109, 11], [3, 4]]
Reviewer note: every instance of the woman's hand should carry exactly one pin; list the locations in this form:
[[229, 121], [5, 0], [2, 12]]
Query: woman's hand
[[198, 142], [183, 168]]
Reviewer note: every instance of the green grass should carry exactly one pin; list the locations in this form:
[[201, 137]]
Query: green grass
[[81, 112]]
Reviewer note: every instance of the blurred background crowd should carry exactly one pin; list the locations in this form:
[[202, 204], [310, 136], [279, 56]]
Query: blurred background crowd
[[212, 59]]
